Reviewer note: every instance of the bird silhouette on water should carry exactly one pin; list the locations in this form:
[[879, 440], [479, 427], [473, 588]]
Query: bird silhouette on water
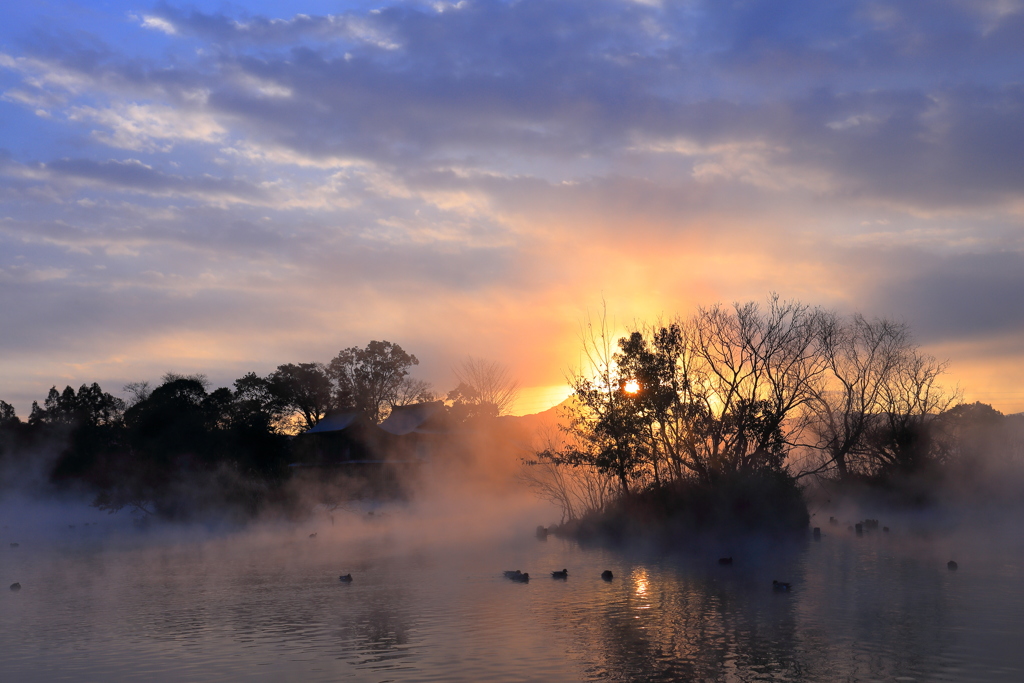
[[780, 587], [345, 578], [516, 575], [952, 565], [560, 574], [15, 586]]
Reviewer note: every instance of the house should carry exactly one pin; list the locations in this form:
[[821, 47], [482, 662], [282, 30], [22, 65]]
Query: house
[[417, 432], [339, 438]]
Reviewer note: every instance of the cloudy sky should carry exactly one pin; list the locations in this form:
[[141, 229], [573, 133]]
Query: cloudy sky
[[226, 187]]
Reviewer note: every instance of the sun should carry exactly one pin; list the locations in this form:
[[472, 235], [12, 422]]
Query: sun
[[631, 386]]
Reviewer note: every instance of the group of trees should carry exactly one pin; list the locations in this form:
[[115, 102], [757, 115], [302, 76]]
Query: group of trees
[[782, 388], [179, 447], [373, 380], [174, 450]]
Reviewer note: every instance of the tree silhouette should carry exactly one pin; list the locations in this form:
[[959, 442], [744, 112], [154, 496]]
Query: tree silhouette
[[484, 383], [304, 388], [370, 379]]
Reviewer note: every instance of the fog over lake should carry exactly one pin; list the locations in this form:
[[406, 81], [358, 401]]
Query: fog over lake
[[428, 601]]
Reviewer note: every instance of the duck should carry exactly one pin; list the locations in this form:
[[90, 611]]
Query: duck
[[522, 577], [560, 574], [15, 545], [952, 565], [15, 586], [780, 587], [725, 560], [512, 573], [607, 575], [345, 578], [313, 535]]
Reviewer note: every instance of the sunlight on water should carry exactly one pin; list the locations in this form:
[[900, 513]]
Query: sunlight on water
[[269, 606]]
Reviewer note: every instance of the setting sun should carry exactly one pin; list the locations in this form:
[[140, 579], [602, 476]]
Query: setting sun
[[631, 387]]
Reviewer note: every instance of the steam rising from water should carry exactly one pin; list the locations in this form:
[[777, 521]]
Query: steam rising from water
[[107, 599]]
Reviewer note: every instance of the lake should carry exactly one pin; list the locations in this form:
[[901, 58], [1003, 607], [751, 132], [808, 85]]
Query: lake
[[428, 602]]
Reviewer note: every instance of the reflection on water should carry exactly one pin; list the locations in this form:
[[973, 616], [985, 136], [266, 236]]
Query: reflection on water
[[270, 607]]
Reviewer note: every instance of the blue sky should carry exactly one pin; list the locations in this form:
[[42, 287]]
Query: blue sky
[[224, 187]]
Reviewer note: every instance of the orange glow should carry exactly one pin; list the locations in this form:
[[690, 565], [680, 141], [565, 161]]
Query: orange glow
[[631, 387]]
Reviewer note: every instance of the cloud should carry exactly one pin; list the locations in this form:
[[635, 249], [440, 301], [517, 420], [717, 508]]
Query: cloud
[[131, 175], [159, 24], [149, 127], [502, 166]]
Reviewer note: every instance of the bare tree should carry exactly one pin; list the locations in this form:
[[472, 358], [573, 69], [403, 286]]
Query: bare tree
[[902, 438], [862, 358], [577, 491], [746, 375], [487, 382], [137, 392], [411, 390], [874, 411]]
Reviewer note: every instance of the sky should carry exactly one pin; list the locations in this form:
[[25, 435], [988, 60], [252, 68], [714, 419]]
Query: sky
[[226, 187]]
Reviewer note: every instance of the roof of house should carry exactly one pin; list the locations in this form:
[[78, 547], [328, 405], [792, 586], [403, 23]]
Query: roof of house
[[335, 422], [419, 418]]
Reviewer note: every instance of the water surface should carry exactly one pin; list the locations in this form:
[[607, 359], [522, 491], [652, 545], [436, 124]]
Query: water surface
[[267, 605]]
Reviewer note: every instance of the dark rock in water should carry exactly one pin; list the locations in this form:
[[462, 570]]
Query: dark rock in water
[[15, 586], [313, 535], [607, 575], [15, 545], [952, 565], [780, 587], [816, 533], [345, 578], [560, 574], [725, 561]]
